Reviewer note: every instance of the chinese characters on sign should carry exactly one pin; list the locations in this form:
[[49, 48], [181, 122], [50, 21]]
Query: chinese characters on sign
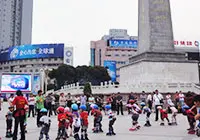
[[186, 43], [37, 51]]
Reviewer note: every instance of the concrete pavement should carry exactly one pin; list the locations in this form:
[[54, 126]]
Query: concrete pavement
[[122, 125]]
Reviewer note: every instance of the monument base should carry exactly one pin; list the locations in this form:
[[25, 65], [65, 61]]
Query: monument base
[[159, 67]]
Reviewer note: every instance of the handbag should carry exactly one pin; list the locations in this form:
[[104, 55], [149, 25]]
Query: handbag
[[161, 100]]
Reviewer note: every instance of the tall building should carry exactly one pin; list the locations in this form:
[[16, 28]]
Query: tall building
[[15, 22], [113, 51]]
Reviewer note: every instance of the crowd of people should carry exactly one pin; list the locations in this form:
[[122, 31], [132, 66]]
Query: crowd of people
[[72, 112]]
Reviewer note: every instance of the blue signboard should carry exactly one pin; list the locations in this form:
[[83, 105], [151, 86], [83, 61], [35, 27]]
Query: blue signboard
[[111, 67], [123, 43], [35, 51], [36, 84]]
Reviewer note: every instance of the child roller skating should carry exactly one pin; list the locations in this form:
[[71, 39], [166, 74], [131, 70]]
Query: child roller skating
[[112, 120], [9, 120], [84, 122], [173, 110], [135, 111], [46, 122], [76, 121], [164, 115], [69, 120], [62, 132], [97, 119], [148, 113]]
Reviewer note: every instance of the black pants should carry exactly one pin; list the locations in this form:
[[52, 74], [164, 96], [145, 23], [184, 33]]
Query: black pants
[[120, 106], [76, 135], [38, 117], [191, 122], [84, 134], [31, 109], [9, 125], [19, 120], [111, 123], [150, 104], [62, 133], [54, 109], [49, 109], [157, 112]]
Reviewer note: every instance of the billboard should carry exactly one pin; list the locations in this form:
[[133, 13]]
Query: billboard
[[123, 43], [68, 56], [36, 84], [35, 51], [13, 82], [111, 68], [182, 43]]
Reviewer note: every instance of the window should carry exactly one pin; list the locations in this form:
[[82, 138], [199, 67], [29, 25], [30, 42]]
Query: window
[[55, 59], [108, 55], [117, 55], [123, 55], [31, 70], [36, 70]]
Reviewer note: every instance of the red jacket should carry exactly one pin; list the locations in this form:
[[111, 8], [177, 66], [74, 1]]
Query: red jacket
[[164, 113], [84, 118], [97, 113], [62, 120], [20, 103]]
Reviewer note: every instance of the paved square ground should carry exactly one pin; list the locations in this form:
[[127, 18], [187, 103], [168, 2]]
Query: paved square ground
[[122, 125]]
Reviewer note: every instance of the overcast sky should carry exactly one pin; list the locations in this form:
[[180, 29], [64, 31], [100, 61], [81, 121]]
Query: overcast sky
[[77, 22]]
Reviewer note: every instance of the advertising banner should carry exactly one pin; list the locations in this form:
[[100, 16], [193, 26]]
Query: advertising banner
[[35, 51], [68, 56], [123, 43], [111, 68], [13, 82], [36, 84]]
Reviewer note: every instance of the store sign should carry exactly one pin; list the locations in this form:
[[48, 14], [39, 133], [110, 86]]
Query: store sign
[[186, 43], [123, 43], [36, 51]]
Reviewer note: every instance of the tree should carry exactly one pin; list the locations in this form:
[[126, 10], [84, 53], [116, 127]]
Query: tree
[[65, 74], [87, 89], [83, 74]]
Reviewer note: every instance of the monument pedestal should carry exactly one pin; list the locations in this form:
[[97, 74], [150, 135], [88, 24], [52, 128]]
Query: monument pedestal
[[159, 67]]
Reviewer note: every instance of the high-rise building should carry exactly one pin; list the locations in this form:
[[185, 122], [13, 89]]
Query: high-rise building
[[113, 51], [15, 22]]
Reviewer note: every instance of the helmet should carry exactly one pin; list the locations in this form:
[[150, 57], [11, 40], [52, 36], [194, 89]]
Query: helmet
[[60, 109], [184, 108], [66, 109], [95, 106], [92, 106], [83, 107], [131, 101], [108, 107], [43, 110], [74, 107], [142, 103]]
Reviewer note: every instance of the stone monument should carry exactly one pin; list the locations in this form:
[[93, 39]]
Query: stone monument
[[156, 60]]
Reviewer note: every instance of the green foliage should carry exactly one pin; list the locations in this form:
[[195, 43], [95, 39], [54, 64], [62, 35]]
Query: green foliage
[[83, 74], [87, 89]]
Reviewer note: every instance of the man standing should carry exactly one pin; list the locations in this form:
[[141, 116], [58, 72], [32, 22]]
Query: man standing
[[158, 101], [119, 103], [19, 114], [39, 105], [83, 99]]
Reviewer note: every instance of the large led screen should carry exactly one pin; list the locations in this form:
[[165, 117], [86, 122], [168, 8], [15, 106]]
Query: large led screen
[[14, 82]]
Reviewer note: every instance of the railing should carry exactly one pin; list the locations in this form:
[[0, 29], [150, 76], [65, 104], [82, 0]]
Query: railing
[[108, 88]]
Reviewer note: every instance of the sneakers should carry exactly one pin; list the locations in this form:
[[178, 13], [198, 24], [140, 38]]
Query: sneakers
[[192, 131]]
